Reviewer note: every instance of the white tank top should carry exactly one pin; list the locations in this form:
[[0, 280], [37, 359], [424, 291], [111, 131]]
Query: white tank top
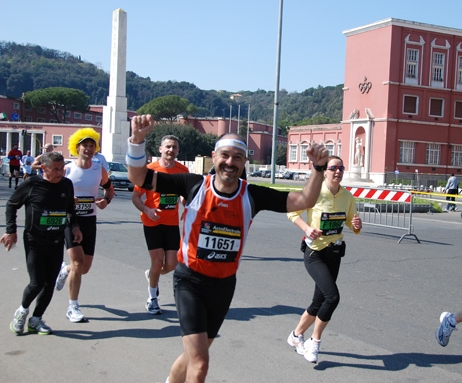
[[86, 186]]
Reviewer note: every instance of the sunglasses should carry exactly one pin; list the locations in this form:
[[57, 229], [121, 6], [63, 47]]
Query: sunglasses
[[334, 168]]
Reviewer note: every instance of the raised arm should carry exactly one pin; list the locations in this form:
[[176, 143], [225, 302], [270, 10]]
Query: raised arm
[[318, 154], [136, 154]]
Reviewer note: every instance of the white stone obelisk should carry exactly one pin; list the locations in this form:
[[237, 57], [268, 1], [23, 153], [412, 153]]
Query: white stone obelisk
[[116, 127]]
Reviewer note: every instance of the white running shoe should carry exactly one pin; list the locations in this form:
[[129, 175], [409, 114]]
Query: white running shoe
[[445, 329], [298, 342], [62, 276], [312, 350], [152, 307], [74, 314]]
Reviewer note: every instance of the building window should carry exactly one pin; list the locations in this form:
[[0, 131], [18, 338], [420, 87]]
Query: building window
[[88, 117], [99, 119], [41, 110], [438, 67], [303, 156], [410, 104], [68, 114], [57, 140], [330, 148], [28, 108], [458, 110], [16, 106], [433, 154], [456, 155], [459, 70], [436, 107], [412, 62], [293, 153], [41, 120], [28, 119], [406, 152], [77, 115]]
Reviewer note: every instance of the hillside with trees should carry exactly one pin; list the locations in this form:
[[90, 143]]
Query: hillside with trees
[[25, 68]]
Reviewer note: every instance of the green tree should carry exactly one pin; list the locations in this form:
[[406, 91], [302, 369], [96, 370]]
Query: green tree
[[58, 99], [192, 143], [243, 128], [281, 154], [167, 107]]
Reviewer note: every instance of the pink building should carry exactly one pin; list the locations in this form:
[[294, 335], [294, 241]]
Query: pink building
[[259, 140], [32, 128], [402, 107], [35, 127]]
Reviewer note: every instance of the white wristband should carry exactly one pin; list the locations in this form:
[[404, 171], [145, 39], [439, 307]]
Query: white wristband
[[136, 154]]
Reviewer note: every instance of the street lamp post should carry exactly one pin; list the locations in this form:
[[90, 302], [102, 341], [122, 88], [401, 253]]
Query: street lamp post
[[276, 96], [248, 129], [238, 117], [230, 113]]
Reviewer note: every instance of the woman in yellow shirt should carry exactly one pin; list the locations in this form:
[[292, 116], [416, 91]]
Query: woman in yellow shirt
[[323, 248]]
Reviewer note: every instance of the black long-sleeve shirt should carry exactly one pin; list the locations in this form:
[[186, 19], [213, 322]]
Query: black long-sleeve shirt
[[49, 207]]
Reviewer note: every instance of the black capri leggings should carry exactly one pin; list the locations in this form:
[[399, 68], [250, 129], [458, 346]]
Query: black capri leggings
[[323, 267], [43, 265]]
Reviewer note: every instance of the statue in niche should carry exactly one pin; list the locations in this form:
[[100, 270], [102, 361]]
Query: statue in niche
[[358, 152]]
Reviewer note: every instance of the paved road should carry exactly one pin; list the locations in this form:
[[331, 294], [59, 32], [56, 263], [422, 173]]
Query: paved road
[[383, 330]]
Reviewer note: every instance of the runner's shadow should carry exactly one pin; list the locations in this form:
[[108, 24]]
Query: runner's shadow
[[247, 314], [125, 316], [139, 333], [390, 362]]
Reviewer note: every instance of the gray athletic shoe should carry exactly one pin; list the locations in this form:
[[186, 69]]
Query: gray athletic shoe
[[19, 321], [38, 326]]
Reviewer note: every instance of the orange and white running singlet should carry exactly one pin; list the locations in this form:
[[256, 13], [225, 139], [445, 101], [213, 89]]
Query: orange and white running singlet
[[218, 231], [168, 203]]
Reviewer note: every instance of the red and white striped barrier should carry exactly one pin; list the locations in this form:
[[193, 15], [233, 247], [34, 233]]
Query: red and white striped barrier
[[381, 194]]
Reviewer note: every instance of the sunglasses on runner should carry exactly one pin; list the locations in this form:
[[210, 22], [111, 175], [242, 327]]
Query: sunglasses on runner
[[334, 168]]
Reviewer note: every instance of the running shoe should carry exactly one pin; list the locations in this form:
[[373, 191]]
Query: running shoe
[[19, 321], [312, 350], [445, 329], [38, 326], [62, 276], [74, 314], [298, 342], [152, 307]]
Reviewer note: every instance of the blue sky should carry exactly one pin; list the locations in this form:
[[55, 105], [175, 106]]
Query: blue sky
[[215, 44]]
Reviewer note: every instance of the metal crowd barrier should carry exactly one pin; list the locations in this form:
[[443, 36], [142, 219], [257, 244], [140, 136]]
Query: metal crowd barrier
[[385, 207]]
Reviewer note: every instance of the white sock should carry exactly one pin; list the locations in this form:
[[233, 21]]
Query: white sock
[[152, 292], [452, 320], [72, 303]]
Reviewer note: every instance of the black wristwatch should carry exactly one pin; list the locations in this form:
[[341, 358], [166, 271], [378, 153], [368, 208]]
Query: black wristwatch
[[320, 168]]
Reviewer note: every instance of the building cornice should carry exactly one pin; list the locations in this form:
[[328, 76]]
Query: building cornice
[[402, 23]]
